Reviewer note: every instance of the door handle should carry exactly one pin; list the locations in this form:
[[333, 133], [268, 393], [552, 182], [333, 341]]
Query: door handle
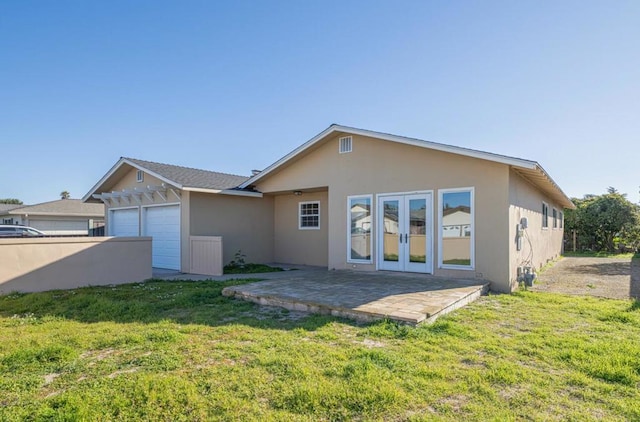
[[406, 238]]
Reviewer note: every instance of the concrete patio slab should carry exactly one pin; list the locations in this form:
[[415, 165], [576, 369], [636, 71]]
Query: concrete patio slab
[[364, 296]]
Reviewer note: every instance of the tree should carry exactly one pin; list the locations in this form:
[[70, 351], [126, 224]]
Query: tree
[[12, 201], [603, 221], [65, 194]]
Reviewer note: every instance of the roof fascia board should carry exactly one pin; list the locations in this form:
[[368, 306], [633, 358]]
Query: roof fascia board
[[225, 192], [393, 138], [58, 214], [119, 164]]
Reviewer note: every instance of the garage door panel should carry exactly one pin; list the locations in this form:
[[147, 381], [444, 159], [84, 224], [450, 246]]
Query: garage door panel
[[124, 222], [162, 224]]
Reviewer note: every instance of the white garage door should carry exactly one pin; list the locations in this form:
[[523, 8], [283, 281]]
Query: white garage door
[[61, 227], [163, 225], [124, 222]]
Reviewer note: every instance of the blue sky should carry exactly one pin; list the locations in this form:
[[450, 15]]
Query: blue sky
[[233, 86]]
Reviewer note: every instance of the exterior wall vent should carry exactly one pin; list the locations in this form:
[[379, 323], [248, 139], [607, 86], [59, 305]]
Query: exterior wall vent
[[346, 144]]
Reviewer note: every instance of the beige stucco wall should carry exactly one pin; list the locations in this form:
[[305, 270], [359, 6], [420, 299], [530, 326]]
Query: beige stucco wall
[[295, 246], [526, 201], [32, 265], [377, 166], [245, 223]]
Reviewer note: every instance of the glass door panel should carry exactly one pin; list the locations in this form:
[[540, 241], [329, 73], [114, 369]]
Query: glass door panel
[[405, 230], [390, 233]]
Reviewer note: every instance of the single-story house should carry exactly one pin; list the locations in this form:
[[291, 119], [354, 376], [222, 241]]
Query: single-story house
[[63, 217], [351, 199]]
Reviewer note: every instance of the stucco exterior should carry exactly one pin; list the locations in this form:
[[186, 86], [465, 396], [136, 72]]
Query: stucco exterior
[[295, 246], [377, 167], [472, 237], [542, 244], [245, 224], [40, 264]]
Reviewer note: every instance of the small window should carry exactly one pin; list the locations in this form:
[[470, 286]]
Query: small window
[[545, 216], [346, 144], [554, 214], [561, 220], [309, 215], [140, 176]]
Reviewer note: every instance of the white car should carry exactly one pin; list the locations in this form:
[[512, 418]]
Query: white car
[[7, 230]]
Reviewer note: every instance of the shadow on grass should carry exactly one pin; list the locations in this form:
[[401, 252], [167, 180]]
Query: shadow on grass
[[179, 301]]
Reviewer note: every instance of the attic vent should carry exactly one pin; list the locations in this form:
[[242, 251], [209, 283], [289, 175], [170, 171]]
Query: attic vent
[[346, 144], [140, 176]]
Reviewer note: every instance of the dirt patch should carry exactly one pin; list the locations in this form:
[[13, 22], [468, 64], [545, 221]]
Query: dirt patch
[[616, 278]]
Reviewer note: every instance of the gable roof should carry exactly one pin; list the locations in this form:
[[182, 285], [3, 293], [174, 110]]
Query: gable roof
[[529, 170], [184, 178], [60, 207]]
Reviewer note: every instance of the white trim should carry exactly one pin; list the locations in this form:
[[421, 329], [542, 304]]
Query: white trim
[[544, 220], [429, 229], [554, 216], [371, 229], [472, 251], [518, 162], [139, 176], [300, 215]]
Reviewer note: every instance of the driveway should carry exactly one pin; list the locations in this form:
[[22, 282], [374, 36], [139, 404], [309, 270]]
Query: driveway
[[616, 278]]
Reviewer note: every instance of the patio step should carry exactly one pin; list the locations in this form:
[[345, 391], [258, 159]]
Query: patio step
[[414, 307]]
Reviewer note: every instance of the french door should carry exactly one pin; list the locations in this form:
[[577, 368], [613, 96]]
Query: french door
[[405, 230]]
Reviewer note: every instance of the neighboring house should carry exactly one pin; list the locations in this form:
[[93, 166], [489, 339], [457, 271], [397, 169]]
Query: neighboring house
[[351, 199], [64, 217]]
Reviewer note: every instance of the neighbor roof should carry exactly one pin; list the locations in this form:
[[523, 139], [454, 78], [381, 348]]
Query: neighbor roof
[[6, 207], [60, 207], [530, 170], [185, 178]]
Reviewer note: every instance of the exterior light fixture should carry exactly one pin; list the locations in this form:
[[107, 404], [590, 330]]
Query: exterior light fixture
[[297, 192]]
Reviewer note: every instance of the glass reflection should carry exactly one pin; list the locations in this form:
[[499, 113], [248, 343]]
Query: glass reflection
[[390, 240], [360, 218], [417, 230], [456, 228]]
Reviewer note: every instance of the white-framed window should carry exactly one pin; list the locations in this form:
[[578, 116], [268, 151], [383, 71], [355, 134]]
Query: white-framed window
[[561, 220], [140, 176], [456, 232], [545, 216], [309, 215], [554, 215], [346, 144], [360, 224]]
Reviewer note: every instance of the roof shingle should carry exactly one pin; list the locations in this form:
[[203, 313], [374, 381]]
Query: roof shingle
[[190, 177]]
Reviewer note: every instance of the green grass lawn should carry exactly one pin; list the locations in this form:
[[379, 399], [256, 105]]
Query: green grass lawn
[[180, 351]]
